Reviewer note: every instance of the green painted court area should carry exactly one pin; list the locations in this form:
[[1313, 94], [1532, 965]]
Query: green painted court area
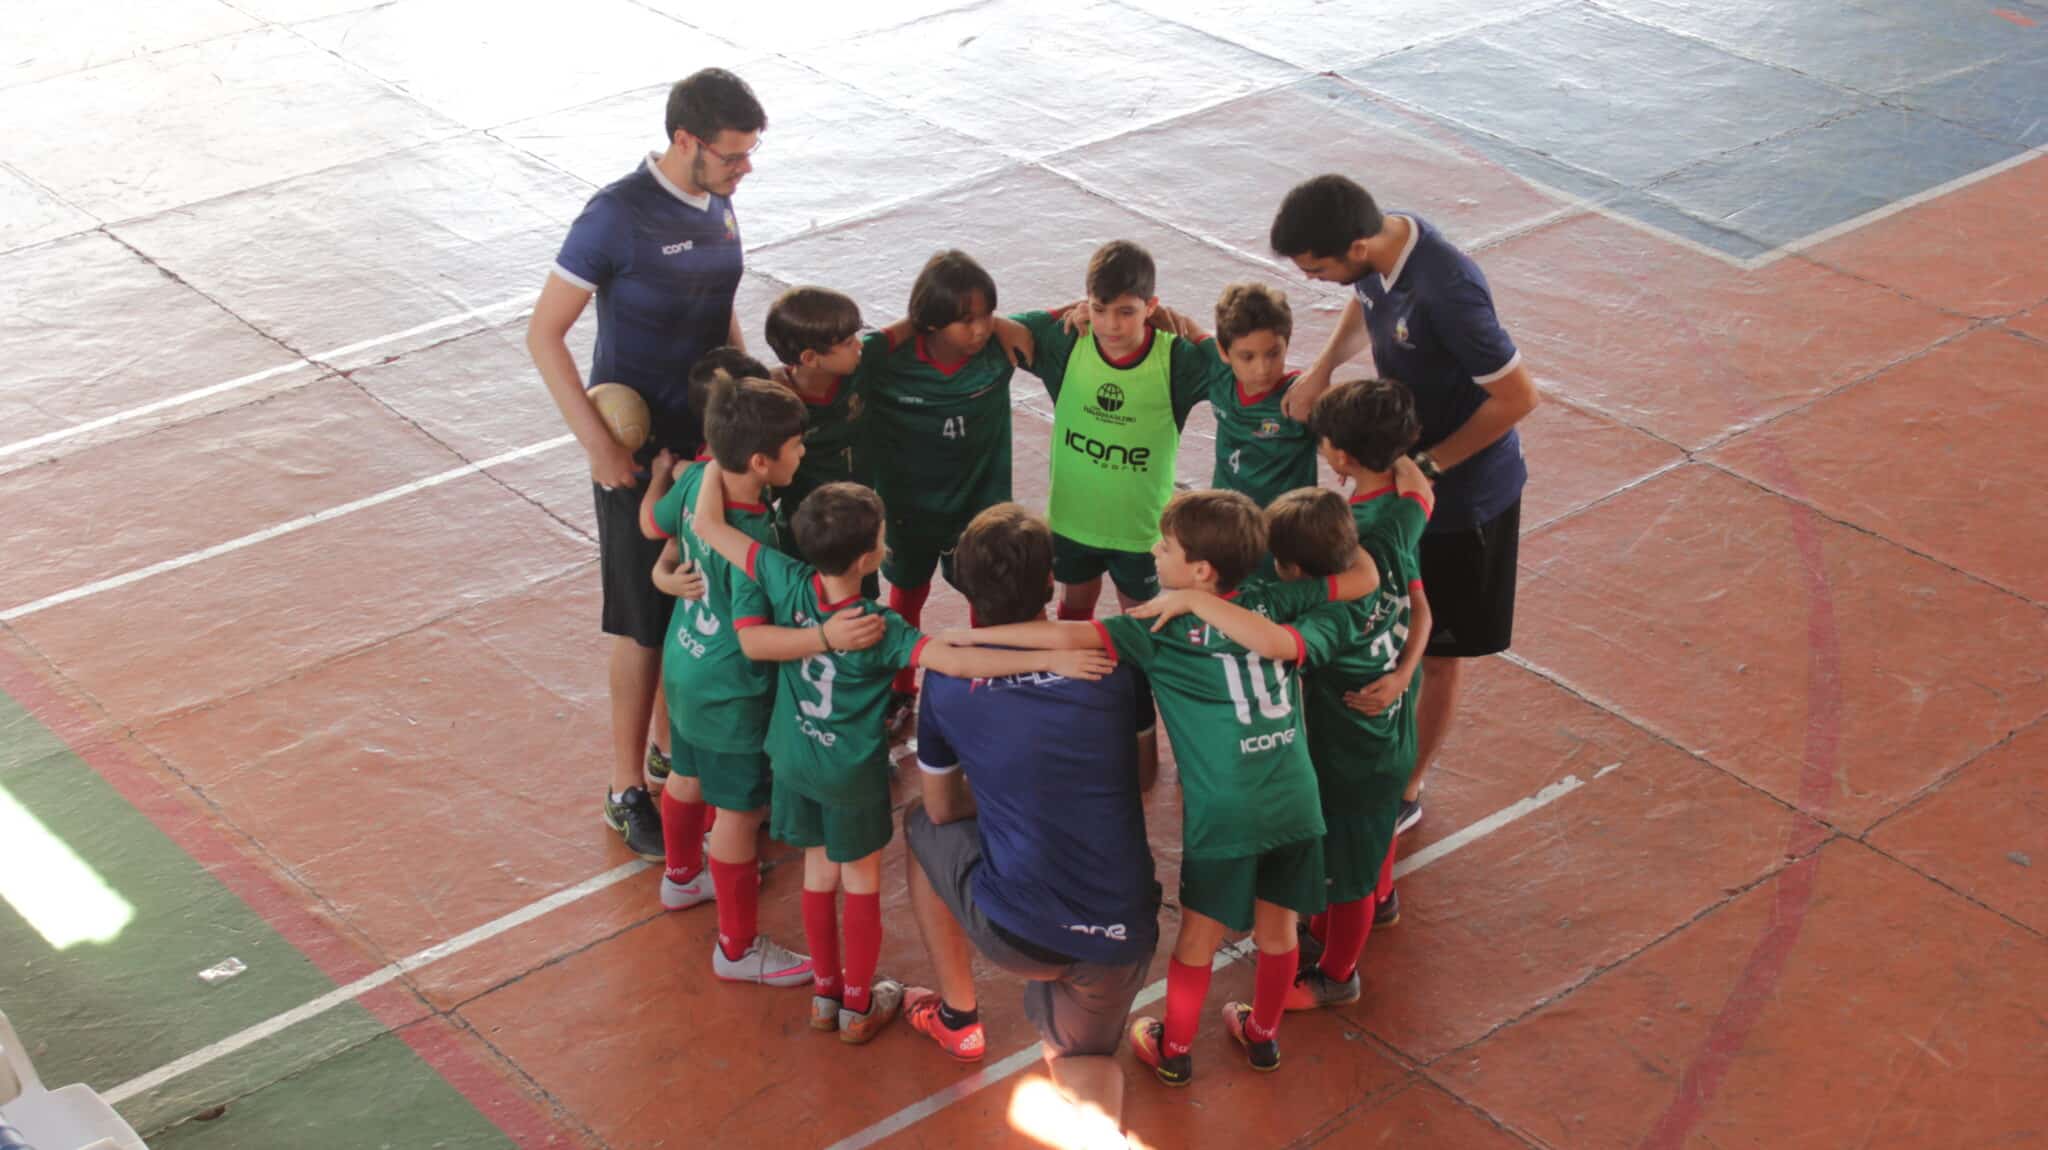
[[102, 966]]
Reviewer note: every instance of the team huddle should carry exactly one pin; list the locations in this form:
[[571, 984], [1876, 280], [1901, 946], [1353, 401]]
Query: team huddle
[[1278, 628]]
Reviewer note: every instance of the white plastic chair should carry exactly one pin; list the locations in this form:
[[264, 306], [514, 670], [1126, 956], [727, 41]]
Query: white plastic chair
[[69, 1118]]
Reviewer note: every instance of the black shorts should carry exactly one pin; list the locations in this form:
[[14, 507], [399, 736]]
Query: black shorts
[[1469, 575], [633, 606]]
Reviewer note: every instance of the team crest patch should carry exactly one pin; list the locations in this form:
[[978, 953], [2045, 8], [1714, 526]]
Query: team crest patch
[[853, 408], [1269, 429], [732, 226], [1401, 329]]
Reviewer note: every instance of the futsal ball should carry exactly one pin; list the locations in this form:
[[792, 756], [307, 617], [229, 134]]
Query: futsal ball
[[624, 412]]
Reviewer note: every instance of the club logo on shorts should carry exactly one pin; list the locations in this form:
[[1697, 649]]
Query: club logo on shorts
[[1109, 397]]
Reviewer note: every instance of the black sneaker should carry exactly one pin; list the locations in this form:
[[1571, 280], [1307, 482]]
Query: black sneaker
[[1411, 813], [1264, 1056], [635, 817], [899, 718], [1311, 946], [657, 767], [1388, 912]]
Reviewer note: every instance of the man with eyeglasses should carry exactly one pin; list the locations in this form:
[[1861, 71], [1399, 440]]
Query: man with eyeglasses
[[660, 250]]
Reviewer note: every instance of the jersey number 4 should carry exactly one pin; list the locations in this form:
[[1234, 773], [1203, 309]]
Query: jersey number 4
[[1255, 669]]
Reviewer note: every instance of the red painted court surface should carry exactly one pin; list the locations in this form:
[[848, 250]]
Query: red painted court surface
[[1742, 845]]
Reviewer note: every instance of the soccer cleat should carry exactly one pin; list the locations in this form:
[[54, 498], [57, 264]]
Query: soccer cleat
[[638, 820], [765, 962], [1264, 1056], [1411, 813], [885, 998], [1387, 912], [900, 715], [684, 895], [1313, 989], [1148, 1043], [657, 766], [824, 1012], [921, 1011]]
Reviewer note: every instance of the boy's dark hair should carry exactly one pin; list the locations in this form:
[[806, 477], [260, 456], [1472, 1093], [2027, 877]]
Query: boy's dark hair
[[1246, 308], [836, 525], [810, 319], [1324, 217], [1222, 528], [713, 100], [1004, 560], [1311, 528], [1371, 420], [945, 289], [748, 417], [726, 362], [1120, 268]]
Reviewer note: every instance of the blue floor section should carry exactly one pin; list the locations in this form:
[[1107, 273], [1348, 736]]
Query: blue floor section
[[1741, 125]]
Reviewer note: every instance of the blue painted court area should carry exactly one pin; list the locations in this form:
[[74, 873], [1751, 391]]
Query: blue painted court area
[[1743, 127]]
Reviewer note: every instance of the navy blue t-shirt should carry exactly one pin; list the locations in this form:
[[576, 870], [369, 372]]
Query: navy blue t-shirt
[[1435, 330], [1053, 764], [664, 266]]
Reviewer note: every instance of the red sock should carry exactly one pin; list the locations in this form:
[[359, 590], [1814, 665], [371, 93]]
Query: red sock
[[1350, 926], [1186, 987], [710, 817], [1319, 926], [863, 947], [1269, 993], [739, 900], [682, 837], [909, 603], [1072, 615], [821, 931]]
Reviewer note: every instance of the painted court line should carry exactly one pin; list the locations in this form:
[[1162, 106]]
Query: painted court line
[[369, 982], [1008, 1067], [289, 527], [254, 377]]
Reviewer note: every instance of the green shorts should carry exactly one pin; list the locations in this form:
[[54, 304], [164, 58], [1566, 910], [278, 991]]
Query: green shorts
[[1135, 573], [848, 833], [920, 546], [1225, 889], [1353, 849], [731, 780]]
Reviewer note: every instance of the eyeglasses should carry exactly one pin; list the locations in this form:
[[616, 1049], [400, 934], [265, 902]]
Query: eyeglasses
[[730, 159]]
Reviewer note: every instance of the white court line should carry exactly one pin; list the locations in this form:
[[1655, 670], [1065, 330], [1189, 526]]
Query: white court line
[[983, 1079], [286, 528], [254, 377], [369, 982], [909, 1115]]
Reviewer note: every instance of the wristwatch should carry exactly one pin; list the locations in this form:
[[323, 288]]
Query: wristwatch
[[1427, 463]]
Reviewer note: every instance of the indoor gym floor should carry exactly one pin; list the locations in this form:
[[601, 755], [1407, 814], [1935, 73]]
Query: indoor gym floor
[[1742, 845]]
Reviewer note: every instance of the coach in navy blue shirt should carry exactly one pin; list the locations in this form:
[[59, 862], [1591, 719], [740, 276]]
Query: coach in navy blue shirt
[[659, 248], [1038, 856], [1425, 309]]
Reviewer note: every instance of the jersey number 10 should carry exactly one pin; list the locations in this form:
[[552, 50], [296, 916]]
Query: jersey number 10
[[1255, 668]]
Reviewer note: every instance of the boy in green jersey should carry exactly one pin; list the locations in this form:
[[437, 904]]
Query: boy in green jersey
[[816, 334], [1259, 449], [1252, 825], [826, 737], [938, 384], [1121, 392], [1364, 435], [719, 699], [1361, 760]]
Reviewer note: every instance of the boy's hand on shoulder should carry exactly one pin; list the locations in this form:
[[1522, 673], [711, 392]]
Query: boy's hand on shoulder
[[1088, 665], [1073, 317], [1166, 605], [854, 630], [1375, 697], [1408, 477]]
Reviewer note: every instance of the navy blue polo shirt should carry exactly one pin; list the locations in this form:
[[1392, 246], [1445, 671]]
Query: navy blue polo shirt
[[1433, 328], [664, 265], [1053, 764]]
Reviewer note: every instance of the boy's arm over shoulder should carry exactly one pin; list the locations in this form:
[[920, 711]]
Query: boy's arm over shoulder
[[1052, 345], [1197, 366], [1042, 635]]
